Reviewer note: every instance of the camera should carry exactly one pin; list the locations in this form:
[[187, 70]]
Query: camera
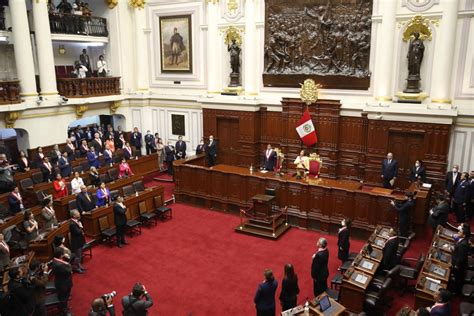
[[109, 296]]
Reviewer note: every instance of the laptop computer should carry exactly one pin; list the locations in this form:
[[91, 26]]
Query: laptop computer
[[324, 303]]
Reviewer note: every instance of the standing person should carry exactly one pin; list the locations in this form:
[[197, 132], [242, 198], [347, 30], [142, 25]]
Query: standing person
[[102, 67], [442, 306], [319, 267], [77, 240], [343, 242], [70, 149], [149, 142], [39, 157], [62, 271], [404, 210], [134, 305], [211, 152], [103, 195], [170, 157], [4, 253], [15, 201], [47, 170], [269, 159], [21, 290], [390, 251], [451, 181], [180, 148], [136, 139], [55, 155], [39, 276], [94, 177], [470, 196], [110, 142], [23, 163], [98, 144], [160, 151], [120, 219], [201, 147], [124, 169], [84, 201], [83, 149], [85, 60], [60, 187], [265, 296], [64, 165], [30, 225], [389, 171], [439, 213], [418, 172], [289, 288], [92, 158], [127, 151], [108, 156], [459, 257], [460, 198], [49, 215], [76, 183]]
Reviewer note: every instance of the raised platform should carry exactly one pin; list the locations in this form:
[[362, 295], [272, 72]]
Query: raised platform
[[263, 228]]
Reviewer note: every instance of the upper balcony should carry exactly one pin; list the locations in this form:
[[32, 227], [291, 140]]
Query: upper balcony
[[78, 25], [9, 92]]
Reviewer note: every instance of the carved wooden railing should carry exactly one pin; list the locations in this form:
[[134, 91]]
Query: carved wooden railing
[[10, 92], [88, 87], [78, 24]]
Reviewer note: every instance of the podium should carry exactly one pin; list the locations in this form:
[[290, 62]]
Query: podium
[[261, 219]]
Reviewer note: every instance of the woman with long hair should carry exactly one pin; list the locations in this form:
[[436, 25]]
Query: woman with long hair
[[289, 288]]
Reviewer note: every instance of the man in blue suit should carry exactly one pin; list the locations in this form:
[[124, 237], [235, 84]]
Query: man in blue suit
[[389, 171], [442, 307], [460, 198], [265, 297], [64, 166]]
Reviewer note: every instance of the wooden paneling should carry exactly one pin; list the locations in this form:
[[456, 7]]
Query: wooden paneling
[[351, 147]]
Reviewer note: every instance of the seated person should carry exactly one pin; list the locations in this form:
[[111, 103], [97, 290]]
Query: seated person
[[60, 187], [4, 253], [15, 201], [124, 169], [92, 158], [108, 156], [47, 170], [48, 213], [94, 177], [30, 225], [85, 202], [76, 183], [23, 163], [103, 195]]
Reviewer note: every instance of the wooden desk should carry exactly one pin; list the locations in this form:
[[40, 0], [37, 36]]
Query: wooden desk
[[354, 285], [365, 264], [262, 204], [312, 204], [378, 241], [18, 218], [91, 220], [376, 254], [335, 309], [436, 270], [43, 245]]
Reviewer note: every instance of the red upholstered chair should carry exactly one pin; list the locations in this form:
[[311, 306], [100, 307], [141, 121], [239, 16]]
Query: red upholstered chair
[[315, 164]]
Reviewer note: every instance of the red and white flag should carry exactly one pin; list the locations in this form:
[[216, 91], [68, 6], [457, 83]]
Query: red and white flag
[[306, 131]]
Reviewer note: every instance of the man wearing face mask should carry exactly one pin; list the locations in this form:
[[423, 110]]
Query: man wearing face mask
[[460, 196], [452, 180], [170, 157], [149, 142], [201, 148], [211, 152]]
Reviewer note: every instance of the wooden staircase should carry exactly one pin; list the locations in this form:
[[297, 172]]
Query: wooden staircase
[[264, 228]]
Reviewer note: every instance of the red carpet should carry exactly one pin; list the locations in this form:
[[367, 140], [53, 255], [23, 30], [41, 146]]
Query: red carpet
[[195, 264]]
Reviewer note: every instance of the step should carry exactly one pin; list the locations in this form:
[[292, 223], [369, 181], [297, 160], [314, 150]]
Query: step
[[265, 226], [260, 233]]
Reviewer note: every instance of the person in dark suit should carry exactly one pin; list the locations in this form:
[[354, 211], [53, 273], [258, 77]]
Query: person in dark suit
[[84, 201], [389, 171], [134, 305], [54, 155], [62, 271], [77, 240], [4, 253], [180, 148], [47, 170], [269, 159], [265, 296], [452, 180], [170, 157], [404, 209], [470, 196], [460, 198], [23, 163], [390, 248], [102, 306], [459, 258], [22, 291], [442, 307], [108, 156], [319, 267], [127, 151], [149, 143], [39, 275], [15, 201], [64, 165], [439, 213], [83, 149], [93, 158], [136, 139], [201, 147], [289, 288], [70, 149], [211, 152], [418, 172], [343, 243], [94, 177], [120, 219], [39, 155], [98, 144]]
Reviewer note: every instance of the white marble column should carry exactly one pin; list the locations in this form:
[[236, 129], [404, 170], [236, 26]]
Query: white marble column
[[22, 47], [141, 51], [213, 86], [443, 65], [47, 74], [250, 49], [385, 52]]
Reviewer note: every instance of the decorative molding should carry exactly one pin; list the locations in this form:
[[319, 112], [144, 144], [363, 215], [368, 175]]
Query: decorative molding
[[444, 101], [233, 33], [213, 1], [419, 6], [420, 25], [10, 118], [114, 106], [81, 109], [309, 91], [111, 3], [137, 4], [233, 10]]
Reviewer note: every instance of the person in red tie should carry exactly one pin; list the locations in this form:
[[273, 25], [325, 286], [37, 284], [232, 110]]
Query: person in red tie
[[124, 169], [60, 187], [269, 159], [4, 253]]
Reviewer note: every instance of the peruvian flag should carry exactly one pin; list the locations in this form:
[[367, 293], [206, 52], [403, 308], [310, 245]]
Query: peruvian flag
[[306, 131]]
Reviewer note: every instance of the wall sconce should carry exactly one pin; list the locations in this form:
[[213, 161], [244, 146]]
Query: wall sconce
[[61, 50]]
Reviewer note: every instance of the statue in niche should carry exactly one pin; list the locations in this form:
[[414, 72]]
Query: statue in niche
[[234, 51], [415, 57]]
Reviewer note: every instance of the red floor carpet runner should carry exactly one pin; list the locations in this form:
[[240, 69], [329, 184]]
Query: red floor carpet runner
[[195, 264]]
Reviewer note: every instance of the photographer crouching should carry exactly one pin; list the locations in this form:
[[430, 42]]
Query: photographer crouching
[[137, 302], [100, 306]]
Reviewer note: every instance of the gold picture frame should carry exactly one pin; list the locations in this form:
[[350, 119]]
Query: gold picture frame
[[176, 44]]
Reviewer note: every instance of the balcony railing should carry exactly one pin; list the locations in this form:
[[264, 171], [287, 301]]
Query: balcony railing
[[88, 87], [10, 92], [78, 24]]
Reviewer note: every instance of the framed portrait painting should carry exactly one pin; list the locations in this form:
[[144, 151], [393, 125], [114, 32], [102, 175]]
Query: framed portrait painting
[[176, 44]]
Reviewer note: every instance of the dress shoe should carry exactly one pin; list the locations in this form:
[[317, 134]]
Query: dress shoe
[[120, 246]]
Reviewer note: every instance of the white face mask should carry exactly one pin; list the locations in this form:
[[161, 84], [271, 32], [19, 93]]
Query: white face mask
[[211, 139], [202, 143], [417, 164]]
